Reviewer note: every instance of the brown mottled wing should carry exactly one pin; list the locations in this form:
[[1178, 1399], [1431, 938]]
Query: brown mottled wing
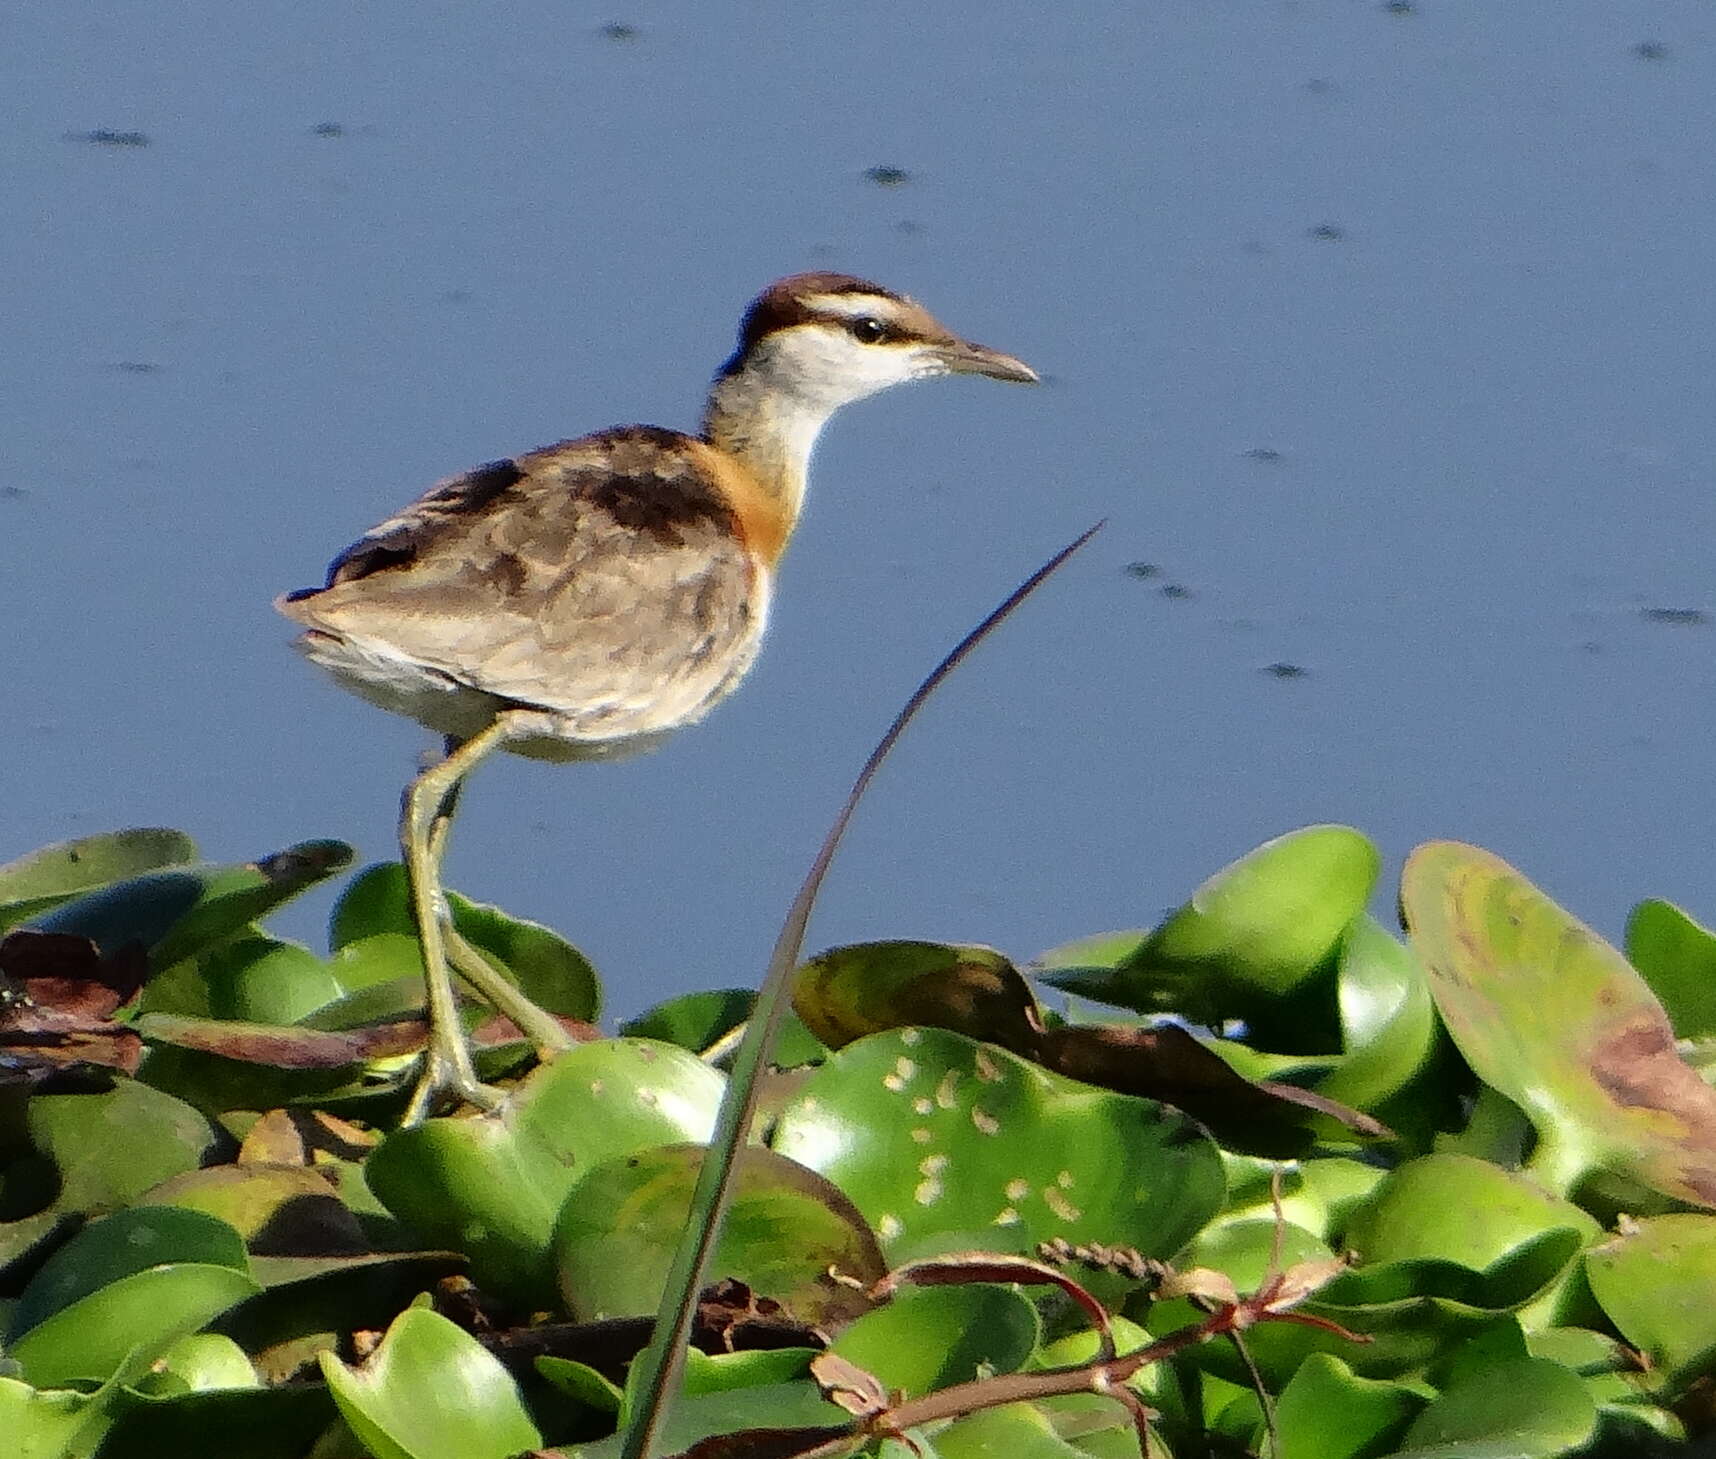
[[603, 578]]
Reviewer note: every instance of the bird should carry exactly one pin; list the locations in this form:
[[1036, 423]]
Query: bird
[[585, 600]]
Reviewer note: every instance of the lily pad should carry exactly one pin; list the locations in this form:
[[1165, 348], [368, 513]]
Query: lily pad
[[789, 1235], [1554, 1018], [945, 1144], [431, 1391]]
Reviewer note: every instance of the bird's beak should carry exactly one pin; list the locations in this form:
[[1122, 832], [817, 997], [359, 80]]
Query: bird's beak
[[964, 358]]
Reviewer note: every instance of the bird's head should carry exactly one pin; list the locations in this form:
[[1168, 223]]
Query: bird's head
[[825, 340]]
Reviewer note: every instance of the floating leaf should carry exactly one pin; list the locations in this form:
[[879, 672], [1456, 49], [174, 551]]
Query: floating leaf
[[431, 1391], [1530, 1408], [1389, 1030], [283, 1048], [946, 1144], [1554, 1018], [492, 1186], [112, 1146], [552, 973], [1253, 936], [1326, 1412], [41, 880], [1654, 1282], [141, 1314], [869, 987], [789, 1234], [1677, 957], [928, 1338]]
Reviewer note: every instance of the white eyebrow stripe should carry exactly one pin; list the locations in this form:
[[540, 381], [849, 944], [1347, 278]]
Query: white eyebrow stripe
[[853, 306]]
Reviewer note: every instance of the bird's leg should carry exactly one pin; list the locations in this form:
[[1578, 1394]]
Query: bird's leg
[[472, 964], [424, 818]]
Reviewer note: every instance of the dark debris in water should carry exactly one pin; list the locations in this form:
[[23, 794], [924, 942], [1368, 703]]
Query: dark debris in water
[[1142, 570], [134, 367], [109, 137], [1651, 51], [1268, 455], [1400, 7], [327, 129], [1281, 669], [885, 176], [1681, 617], [1176, 591], [619, 32], [1327, 232]]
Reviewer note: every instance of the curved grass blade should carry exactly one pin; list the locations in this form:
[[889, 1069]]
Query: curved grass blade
[[660, 1363]]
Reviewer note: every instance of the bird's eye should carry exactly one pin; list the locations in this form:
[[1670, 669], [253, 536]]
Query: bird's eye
[[867, 329]]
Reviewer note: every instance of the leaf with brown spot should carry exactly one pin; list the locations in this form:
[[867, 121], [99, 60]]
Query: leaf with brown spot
[[67, 973], [1554, 1018], [1167, 1063], [298, 1136], [284, 1047], [849, 992]]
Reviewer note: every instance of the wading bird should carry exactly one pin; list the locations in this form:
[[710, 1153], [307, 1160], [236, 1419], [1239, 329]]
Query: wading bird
[[584, 600]]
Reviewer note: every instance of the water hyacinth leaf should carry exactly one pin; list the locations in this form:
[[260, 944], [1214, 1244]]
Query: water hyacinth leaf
[[1388, 1020], [1530, 1408], [1456, 1208], [867, 988], [40, 1425], [277, 1423], [1098, 953], [1257, 931], [1554, 1018], [789, 1235], [202, 1362], [266, 980], [177, 913], [431, 1391], [1654, 1282], [492, 1186], [945, 1144], [283, 1047], [1018, 1430], [137, 1316], [696, 1021], [1677, 957], [42, 879], [119, 1246], [111, 1147], [1327, 1412], [276, 1210], [550, 971], [927, 1338]]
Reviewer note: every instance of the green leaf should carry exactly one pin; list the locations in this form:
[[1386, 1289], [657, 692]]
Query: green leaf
[[265, 980], [929, 1338], [1458, 1209], [1254, 940], [138, 1316], [552, 973], [1554, 1018], [41, 880], [1530, 1408], [1326, 1412], [944, 1144], [1654, 1282], [493, 1186], [40, 1425], [111, 1147], [431, 1391], [789, 1234], [1677, 957], [177, 913], [121, 1245], [1388, 1020], [1017, 1430]]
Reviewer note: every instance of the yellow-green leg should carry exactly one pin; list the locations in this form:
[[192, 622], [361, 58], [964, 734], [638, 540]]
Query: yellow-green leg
[[424, 818]]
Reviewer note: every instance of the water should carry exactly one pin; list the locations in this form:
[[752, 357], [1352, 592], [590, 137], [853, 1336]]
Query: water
[[1381, 339]]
